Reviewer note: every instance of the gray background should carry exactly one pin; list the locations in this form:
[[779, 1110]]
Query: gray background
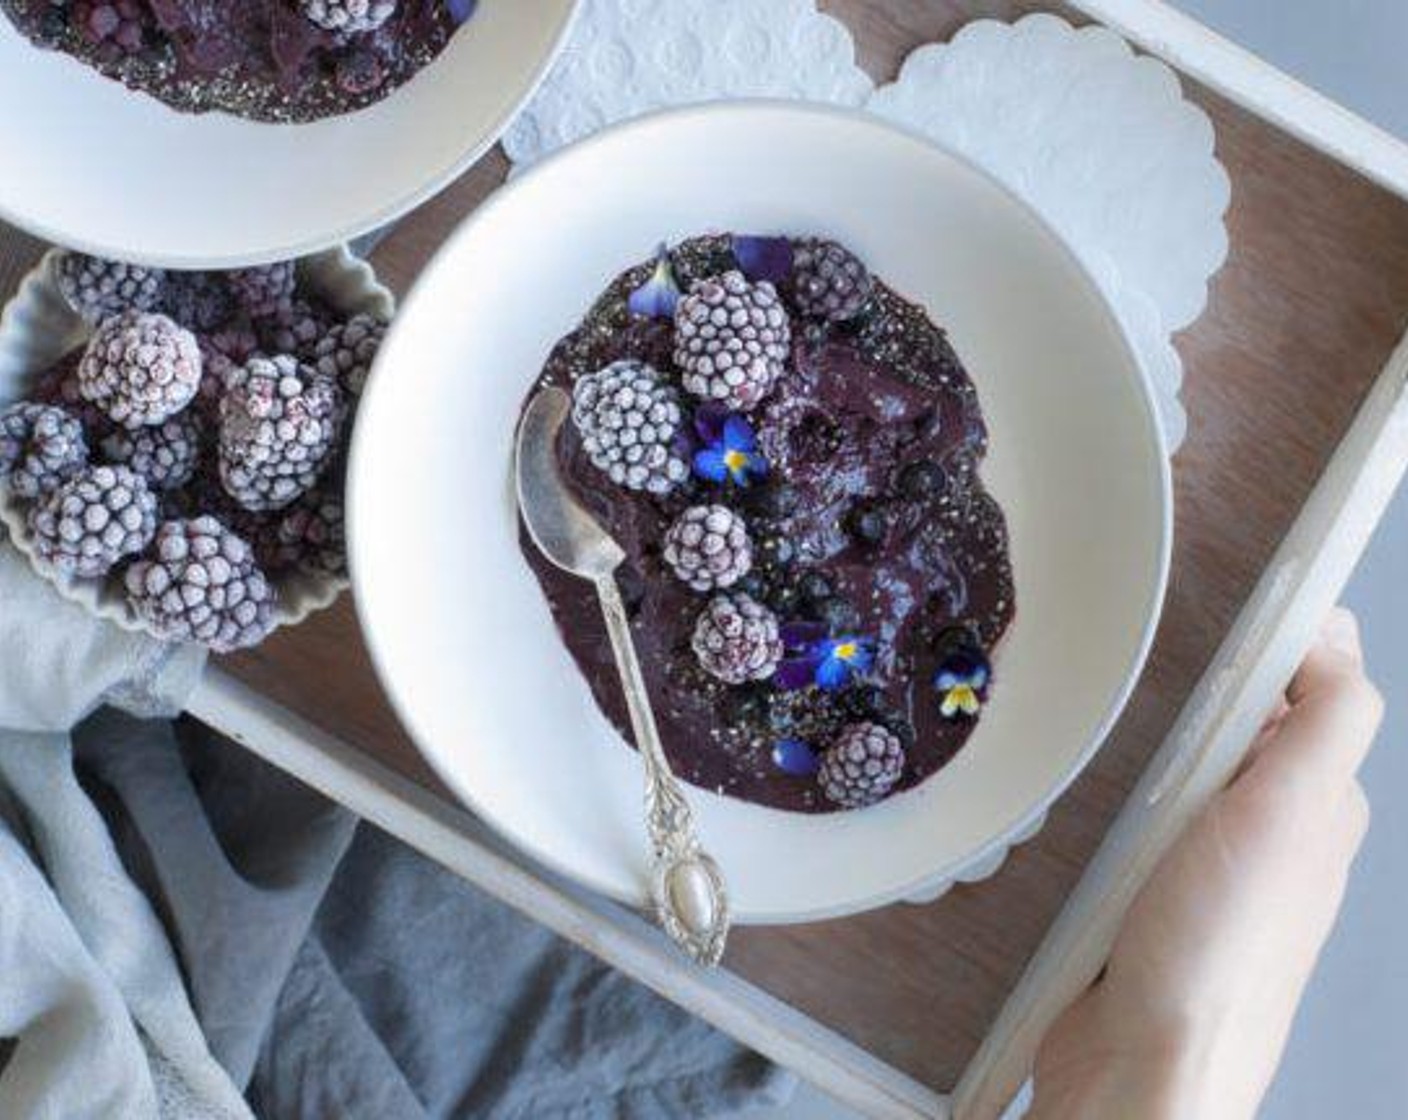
[[1348, 1056]]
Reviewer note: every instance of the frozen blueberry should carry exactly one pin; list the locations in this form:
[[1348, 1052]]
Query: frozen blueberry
[[53, 25], [922, 479], [863, 701], [753, 585], [631, 584], [816, 586], [743, 706], [867, 523], [837, 614], [777, 499], [774, 553], [785, 600], [793, 756]]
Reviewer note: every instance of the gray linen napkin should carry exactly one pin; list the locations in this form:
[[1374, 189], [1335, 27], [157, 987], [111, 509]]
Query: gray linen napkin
[[362, 981]]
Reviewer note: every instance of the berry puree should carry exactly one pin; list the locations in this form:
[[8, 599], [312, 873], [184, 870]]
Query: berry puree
[[788, 452], [268, 60]]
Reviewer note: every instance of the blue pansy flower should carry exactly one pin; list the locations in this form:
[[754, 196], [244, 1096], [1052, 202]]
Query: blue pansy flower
[[730, 452], [460, 10], [658, 296], [962, 682], [763, 258], [828, 663]]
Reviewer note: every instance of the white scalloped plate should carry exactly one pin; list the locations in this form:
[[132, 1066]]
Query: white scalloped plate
[[37, 328], [627, 57], [92, 165], [1098, 139], [458, 628]]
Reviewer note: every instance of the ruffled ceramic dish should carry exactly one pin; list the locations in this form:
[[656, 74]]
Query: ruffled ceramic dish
[[459, 630], [37, 328], [129, 178]]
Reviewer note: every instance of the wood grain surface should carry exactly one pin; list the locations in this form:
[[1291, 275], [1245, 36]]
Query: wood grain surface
[[1302, 318]]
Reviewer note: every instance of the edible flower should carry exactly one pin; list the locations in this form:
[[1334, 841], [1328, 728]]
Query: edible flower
[[460, 10], [658, 296], [828, 663], [962, 682], [763, 258], [730, 452]]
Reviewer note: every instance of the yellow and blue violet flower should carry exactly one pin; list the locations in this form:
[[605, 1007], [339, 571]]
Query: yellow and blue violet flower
[[962, 682]]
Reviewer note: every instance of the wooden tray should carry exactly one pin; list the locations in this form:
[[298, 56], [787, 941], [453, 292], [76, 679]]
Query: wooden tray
[[1294, 354]]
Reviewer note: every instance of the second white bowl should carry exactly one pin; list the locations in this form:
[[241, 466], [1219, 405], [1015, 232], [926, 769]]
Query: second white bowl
[[459, 629], [92, 165]]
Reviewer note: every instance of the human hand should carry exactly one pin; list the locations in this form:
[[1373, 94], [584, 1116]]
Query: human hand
[[1193, 1010]]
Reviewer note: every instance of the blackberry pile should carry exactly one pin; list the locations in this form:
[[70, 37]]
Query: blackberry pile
[[191, 453]]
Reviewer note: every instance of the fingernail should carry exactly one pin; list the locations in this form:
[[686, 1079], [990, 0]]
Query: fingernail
[[1340, 632]]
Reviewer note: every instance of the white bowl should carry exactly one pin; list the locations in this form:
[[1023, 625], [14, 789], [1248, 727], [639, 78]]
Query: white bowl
[[457, 625], [37, 328], [94, 166]]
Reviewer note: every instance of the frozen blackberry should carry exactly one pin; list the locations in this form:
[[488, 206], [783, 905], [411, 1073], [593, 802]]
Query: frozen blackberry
[[708, 547], [346, 351], [829, 281], [309, 534], [216, 370], [40, 447], [199, 301], [59, 387], [236, 339], [629, 418], [732, 339], [89, 523], [350, 16], [736, 639], [359, 71], [140, 368], [296, 330], [115, 25], [278, 429], [98, 288], [200, 583], [264, 290], [164, 454], [862, 765]]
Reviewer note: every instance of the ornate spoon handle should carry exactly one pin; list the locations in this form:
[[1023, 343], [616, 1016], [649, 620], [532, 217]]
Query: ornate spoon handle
[[687, 888]]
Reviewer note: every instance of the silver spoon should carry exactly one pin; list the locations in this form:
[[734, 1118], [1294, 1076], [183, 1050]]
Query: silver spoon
[[686, 885]]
